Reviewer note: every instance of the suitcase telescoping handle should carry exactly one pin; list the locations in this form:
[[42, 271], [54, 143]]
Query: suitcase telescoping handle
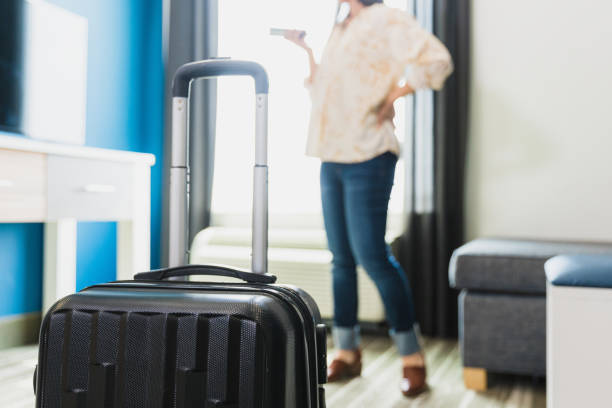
[[205, 270], [179, 174]]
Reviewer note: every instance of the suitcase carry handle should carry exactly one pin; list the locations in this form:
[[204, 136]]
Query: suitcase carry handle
[[205, 270], [179, 167]]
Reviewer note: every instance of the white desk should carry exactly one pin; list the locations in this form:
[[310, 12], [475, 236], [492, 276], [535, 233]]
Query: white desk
[[59, 185]]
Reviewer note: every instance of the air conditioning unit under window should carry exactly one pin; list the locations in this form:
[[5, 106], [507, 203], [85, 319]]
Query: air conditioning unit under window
[[297, 257]]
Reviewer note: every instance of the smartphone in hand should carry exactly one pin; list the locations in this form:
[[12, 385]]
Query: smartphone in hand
[[282, 31]]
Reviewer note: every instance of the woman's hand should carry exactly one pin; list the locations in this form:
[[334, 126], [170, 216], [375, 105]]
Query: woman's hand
[[297, 37], [386, 110]]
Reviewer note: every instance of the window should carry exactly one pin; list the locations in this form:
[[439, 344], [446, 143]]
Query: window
[[294, 187]]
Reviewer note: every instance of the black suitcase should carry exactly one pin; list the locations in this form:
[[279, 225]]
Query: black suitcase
[[153, 342]]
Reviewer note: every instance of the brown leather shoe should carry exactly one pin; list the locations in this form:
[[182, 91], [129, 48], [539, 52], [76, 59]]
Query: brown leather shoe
[[341, 370], [413, 382]]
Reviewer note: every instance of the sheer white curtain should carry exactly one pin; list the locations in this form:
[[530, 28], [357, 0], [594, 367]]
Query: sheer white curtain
[[294, 178]]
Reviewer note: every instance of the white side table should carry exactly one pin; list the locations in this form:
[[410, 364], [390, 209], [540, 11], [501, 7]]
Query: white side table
[[60, 185]]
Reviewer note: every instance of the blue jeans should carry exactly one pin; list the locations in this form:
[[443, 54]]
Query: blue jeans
[[355, 199]]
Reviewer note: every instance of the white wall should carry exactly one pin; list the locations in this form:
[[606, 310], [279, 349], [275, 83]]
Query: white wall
[[540, 153]]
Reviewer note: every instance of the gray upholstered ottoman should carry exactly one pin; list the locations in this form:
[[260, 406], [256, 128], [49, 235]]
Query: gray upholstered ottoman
[[502, 305]]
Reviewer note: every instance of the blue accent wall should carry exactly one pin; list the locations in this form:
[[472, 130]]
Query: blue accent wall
[[96, 257], [125, 97], [21, 275]]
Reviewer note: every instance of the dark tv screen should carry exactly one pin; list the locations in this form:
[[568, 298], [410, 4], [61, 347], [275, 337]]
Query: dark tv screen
[[11, 64]]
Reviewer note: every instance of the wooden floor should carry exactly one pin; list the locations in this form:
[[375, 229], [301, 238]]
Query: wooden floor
[[376, 388], [379, 382], [16, 370]]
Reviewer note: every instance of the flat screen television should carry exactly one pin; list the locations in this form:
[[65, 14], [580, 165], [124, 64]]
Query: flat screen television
[[12, 32]]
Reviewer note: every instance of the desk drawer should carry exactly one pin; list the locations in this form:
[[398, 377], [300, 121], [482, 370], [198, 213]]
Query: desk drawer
[[93, 190], [22, 186]]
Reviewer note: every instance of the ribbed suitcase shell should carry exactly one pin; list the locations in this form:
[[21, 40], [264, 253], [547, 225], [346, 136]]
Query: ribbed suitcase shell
[[182, 344]]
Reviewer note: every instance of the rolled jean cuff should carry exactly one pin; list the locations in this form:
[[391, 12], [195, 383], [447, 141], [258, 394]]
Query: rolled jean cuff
[[346, 338], [407, 342]]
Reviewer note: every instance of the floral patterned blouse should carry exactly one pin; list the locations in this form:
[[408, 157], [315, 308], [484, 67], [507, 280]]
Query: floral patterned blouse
[[361, 63]]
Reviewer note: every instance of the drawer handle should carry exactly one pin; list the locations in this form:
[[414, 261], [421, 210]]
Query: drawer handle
[[6, 183], [99, 188]]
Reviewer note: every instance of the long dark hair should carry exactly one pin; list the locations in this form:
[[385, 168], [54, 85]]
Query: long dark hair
[[366, 3]]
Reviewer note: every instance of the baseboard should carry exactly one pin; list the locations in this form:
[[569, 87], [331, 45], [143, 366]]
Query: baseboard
[[19, 330]]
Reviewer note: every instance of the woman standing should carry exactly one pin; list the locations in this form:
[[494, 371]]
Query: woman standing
[[373, 57]]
